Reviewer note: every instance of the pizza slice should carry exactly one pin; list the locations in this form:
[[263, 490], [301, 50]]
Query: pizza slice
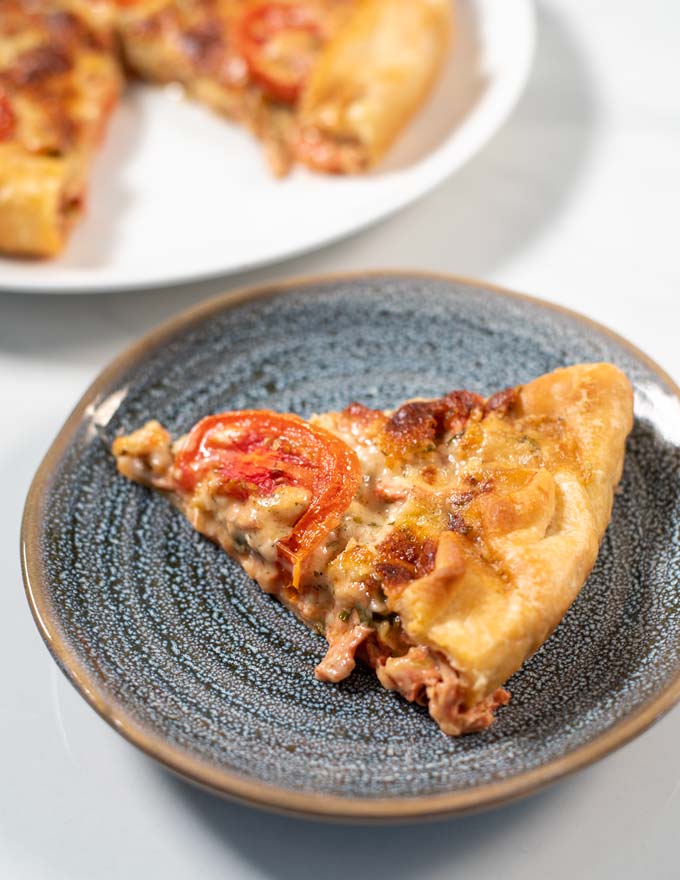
[[328, 83], [247, 60], [369, 81], [439, 543], [59, 82]]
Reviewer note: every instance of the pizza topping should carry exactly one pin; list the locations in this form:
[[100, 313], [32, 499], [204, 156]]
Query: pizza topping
[[363, 415], [425, 677], [404, 557], [207, 47], [38, 64], [460, 405], [280, 42], [254, 451], [502, 401], [342, 645], [145, 455], [390, 491], [332, 155], [203, 40], [7, 117], [419, 425], [69, 31], [456, 523], [416, 424]]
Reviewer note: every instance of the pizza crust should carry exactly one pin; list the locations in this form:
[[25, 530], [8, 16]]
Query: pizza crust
[[488, 612], [371, 79], [59, 82], [32, 195]]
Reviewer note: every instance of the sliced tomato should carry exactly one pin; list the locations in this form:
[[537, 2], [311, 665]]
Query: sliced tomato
[[7, 119], [251, 452], [279, 42]]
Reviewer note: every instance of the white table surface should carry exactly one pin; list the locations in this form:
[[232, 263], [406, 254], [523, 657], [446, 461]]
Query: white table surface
[[576, 200]]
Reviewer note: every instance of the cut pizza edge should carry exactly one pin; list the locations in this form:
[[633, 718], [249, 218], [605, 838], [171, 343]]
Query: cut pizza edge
[[439, 543], [359, 72]]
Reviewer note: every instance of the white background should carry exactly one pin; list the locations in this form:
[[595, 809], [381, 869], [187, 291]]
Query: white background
[[576, 200]]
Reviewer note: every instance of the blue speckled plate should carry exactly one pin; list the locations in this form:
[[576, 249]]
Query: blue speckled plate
[[172, 644]]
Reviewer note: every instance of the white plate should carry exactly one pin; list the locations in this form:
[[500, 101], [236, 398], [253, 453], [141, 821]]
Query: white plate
[[179, 194]]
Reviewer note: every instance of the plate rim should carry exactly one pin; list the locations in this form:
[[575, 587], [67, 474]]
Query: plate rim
[[231, 784], [489, 123]]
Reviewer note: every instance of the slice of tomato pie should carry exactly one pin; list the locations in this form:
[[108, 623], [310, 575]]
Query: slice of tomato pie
[[439, 543]]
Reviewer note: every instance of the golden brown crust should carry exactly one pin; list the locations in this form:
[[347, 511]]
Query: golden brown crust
[[59, 82], [370, 80], [499, 591]]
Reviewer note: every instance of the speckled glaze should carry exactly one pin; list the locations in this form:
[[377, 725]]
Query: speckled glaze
[[173, 644]]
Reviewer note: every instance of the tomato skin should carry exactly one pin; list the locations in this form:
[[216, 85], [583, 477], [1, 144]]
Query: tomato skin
[[7, 118], [257, 28], [254, 451]]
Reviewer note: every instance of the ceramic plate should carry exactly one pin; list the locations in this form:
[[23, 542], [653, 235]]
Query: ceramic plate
[[172, 643], [155, 218]]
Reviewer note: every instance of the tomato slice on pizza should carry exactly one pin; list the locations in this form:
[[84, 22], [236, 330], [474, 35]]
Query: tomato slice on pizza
[[280, 42], [439, 543], [253, 453]]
